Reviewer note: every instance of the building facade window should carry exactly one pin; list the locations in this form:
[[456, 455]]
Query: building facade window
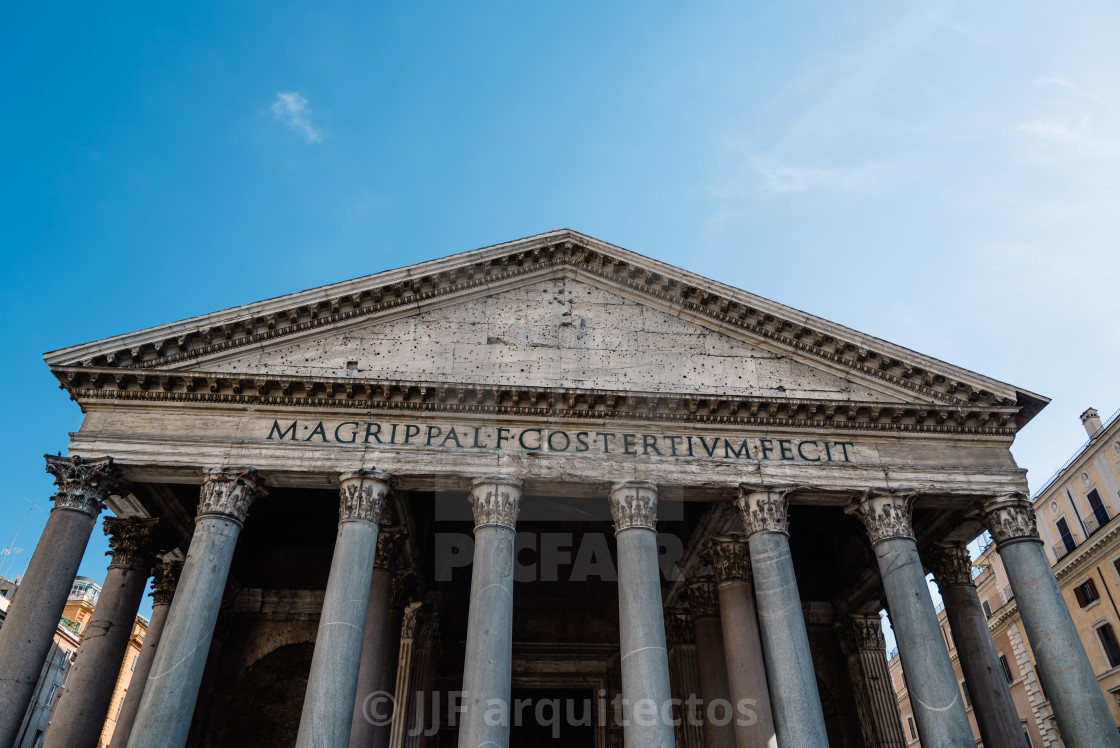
[[910, 724], [988, 606], [1066, 536], [967, 698], [1109, 644], [1006, 667], [1099, 513], [1086, 593]]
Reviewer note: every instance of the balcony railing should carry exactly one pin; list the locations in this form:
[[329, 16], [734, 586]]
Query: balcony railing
[[1097, 519]]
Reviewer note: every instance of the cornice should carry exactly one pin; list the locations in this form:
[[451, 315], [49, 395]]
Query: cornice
[[351, 393], [332, 305]]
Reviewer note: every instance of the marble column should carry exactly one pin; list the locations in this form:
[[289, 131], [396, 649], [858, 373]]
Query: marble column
[[167, 704], [402, 595], [426, 649], [645, 664], [1079, 705], [934, 692], [863, 644], [28, 630], [711, 660], [369, 706], [489, 657], [684, 678], [165, 576], [84, 703], [795, 700], [995, 712], [729, 558], [328, 703]]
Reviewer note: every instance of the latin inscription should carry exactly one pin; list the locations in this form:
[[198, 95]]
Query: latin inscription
[[732, 447]]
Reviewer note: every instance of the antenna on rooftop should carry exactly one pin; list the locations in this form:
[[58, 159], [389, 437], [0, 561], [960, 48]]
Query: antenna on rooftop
[[11, 551]]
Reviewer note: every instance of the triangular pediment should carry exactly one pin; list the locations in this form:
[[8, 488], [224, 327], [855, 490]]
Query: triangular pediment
[[559, 310]]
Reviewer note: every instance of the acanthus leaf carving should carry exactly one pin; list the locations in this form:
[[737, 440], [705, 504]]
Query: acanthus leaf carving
[[1009, 517], [950, 563], [165, 577], [634, 504], [362, 495], [496, 501], [764, 507], [885, 513], [83, 484], [229, 492], [729, 557], [130, 541]]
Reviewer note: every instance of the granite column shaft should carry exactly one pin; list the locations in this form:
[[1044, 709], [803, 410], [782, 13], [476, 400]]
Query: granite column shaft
[[1079, 706], [488, 665], [29, 627], [711, 662], [163, 719], [84, 703], [795, 700]]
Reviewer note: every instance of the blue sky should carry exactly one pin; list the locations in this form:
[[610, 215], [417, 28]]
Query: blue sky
[[944, 176]]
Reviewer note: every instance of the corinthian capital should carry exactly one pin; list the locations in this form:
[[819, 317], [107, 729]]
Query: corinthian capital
[[763, 507], [390, 544], [950, 563], [83, 485], [130, 541], [863, 633], [703, 597], [678, 628], [496, 500], [165, 577], [1009, 518], [729, 558], [634, 504], [362, 495], [404, 590], [229, 492], [885, 513]]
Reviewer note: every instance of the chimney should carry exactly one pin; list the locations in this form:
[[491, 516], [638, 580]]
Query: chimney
[[1092, 422]]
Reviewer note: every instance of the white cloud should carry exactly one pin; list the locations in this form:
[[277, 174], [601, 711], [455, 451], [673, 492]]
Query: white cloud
[[291, 107]]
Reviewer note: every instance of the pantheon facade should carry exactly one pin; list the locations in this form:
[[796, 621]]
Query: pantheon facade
[[548, 492]]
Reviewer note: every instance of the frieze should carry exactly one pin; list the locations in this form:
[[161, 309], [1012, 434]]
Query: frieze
[[496, 501], [634, 505], [362, 495], [320, 393], [130, 541], [229, 492], [83, 485], [587, 257]]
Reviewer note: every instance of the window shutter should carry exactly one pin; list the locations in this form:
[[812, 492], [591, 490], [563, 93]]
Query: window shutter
[[1079, 593], [1091, 589]]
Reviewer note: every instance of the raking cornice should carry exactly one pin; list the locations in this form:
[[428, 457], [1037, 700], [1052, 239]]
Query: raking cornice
[[783, 327]]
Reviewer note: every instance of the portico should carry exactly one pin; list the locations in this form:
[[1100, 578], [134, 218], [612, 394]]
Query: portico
[[563, 445]]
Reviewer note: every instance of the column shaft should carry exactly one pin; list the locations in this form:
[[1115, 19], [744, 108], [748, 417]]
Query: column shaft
[[995, 712], [934, 692], [368, 705], [711, 660], [795, 699], [684, 680], [746, 666], [163, 719], [645, 661], [1079, 705], [865, 648], [84, 703], [328, 704], [488, 664], [389, 668], [28, 630], [166, 577]]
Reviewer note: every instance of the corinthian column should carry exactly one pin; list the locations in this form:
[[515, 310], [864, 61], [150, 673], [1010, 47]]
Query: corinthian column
[[165, 576], [711, 660], [796, 704], [328, 704], [861, 639], [85, 702], [1079, 706], [993, 708], [645, 662], [730, 560], [367, 713], [935, 695], [684, 679], [82, 487], [164, 716], [489, 658]]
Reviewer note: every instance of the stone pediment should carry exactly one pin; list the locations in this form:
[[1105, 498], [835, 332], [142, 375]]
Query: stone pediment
[[556, 311]]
